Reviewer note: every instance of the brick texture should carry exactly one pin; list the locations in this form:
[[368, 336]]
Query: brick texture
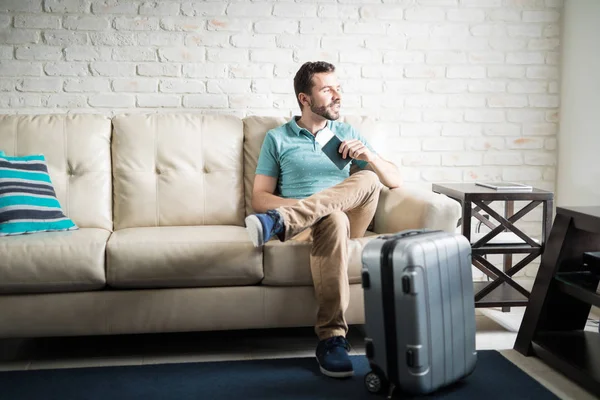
[[466, 89]]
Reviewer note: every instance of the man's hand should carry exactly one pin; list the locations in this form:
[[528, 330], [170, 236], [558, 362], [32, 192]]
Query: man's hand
[[356, 150]]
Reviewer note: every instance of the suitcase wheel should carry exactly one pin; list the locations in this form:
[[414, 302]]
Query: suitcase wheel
[[375, 383]]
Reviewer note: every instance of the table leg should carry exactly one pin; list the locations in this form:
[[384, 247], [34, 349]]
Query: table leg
[[509, 210], [537, 316], [547, 220], [466, 219]]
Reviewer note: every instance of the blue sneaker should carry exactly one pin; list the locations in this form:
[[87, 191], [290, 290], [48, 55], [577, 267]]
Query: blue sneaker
[[332, 355], [262, 227]]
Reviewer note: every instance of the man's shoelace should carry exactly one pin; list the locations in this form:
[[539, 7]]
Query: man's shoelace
[[336, 341]]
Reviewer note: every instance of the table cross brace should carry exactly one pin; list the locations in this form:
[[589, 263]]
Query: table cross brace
[[510, 272], [502, 277], [506, 223], [485, 221]]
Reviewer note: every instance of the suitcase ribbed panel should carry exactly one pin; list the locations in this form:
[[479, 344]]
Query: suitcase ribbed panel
[[449, 291]]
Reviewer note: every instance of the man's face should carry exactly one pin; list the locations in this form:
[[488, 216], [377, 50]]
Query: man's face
[[325, 96]]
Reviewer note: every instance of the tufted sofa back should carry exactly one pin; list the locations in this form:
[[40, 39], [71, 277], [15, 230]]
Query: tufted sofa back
[[77, 151], [177, 169], [160, 169]]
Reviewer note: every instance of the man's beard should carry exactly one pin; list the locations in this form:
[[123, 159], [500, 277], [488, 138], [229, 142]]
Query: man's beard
[[327, 112]]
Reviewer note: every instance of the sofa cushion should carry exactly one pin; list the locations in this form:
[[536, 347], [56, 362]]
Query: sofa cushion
[[177, 170], [27, 200], [53, 262], [77, 152], [288, 263], [255, 130], [188, 256]]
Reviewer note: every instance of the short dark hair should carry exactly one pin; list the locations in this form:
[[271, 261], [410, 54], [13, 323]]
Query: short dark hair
[[303, 80]]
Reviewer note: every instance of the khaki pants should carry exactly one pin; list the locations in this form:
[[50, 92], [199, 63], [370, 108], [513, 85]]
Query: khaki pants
[[334, 215]]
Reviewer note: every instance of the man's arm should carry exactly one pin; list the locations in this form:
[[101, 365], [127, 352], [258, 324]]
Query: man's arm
[[387, 172], [263, 198]]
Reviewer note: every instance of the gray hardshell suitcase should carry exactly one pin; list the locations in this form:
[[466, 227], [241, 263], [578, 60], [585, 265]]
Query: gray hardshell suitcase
[[419, 311]]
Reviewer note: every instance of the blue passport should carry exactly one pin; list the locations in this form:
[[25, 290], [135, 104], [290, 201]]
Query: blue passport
[[330, 145]]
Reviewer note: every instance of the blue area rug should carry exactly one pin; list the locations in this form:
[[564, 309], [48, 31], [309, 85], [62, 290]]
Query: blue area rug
[[294, 378]]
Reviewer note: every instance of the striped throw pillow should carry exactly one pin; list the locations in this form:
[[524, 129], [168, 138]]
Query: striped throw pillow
[[28, 202]]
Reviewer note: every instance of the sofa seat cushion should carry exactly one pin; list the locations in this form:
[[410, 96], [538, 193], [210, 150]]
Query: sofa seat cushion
[[288, 263], [53, 261], [182, 256]]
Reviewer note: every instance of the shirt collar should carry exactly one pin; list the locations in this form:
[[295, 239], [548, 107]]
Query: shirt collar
[[297, 129]]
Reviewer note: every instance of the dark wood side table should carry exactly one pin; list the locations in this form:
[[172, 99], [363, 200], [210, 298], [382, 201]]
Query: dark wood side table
[[565, 287], [502, 291]]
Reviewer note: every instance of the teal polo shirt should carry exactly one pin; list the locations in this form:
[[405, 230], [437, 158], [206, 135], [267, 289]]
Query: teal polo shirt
[[292, 155]]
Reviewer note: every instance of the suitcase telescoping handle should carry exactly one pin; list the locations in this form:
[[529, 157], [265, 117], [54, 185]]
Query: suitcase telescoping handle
[[408, 232]]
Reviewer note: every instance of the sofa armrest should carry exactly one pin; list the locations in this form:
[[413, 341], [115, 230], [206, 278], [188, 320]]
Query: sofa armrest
[[415, 208]]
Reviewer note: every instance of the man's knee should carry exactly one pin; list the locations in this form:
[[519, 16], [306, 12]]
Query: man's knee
[[369, 179], [339, 218]]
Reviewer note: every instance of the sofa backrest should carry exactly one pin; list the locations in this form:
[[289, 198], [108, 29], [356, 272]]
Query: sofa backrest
[[165, 169], [256, 128], [177, 169], [77, 151]]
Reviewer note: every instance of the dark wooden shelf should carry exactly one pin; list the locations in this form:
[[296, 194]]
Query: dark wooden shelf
[[564, 290], [584, 218], [575, 353], [592, 257], [505, 249], [502, 296], [581, 285]]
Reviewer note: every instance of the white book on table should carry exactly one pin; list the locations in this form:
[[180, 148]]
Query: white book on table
[[506, 186]]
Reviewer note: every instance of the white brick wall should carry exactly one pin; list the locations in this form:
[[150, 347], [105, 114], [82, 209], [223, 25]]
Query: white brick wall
[[467, 89]]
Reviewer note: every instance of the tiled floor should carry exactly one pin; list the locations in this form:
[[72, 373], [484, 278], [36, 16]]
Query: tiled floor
[[256, 344]]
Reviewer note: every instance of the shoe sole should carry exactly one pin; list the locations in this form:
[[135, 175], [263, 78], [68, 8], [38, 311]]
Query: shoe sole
[[331, 374], [255, 230]]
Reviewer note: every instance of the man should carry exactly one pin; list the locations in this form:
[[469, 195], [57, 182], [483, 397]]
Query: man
[[312, 192]]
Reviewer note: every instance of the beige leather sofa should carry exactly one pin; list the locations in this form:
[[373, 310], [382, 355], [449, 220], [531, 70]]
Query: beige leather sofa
[[160, 200]]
